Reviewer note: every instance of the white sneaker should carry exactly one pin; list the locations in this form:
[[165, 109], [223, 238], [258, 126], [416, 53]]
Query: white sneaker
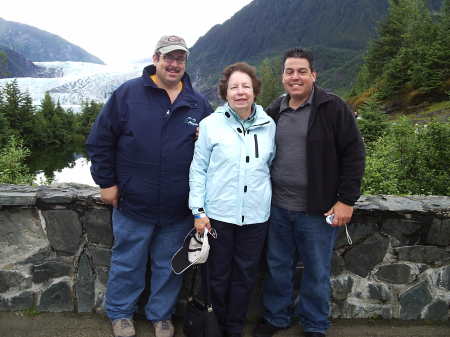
[[123, 327], [164, 328]]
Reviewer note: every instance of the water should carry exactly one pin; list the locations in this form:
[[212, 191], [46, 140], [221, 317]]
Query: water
[[79, 173], [68, 164]]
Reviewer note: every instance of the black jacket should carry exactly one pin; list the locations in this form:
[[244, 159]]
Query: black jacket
[[334, 149]]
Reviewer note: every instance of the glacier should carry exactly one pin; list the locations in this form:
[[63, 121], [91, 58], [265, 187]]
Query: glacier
[[77, 82]]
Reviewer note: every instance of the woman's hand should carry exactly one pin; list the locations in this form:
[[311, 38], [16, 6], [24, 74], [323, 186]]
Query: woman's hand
[[201, 223]]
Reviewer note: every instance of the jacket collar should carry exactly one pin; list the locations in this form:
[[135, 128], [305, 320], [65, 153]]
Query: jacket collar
[[151, 70], [259, 116]]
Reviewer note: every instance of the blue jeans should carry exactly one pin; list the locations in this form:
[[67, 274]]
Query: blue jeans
[[291, 233], [134, 243]]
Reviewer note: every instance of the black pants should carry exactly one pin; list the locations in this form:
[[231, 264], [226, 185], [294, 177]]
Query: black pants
[[233, 266]]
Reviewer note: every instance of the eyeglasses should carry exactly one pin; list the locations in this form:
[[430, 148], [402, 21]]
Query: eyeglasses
[[180, 59]]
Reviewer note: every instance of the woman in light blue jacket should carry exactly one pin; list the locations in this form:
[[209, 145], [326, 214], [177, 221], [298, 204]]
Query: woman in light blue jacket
[[230, 191]]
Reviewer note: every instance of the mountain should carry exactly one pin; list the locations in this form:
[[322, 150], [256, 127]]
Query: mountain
[[336, 31], [38, 45], [13, 64]]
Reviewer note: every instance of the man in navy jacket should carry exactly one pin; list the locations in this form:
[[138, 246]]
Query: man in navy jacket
[[316, 173], [141, 147]]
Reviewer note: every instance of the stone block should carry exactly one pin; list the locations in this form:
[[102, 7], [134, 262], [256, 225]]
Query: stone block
[[406, 231], [337, 264], [21, 301], [17, 198], [55, 195], [436, 311], [341, 287], [102, 274], [84, 286], [379, 292], [11, 279], [359, 229], [50, 269], [357, 308], [359, 261], [21, 235], [57, 298], [439, 233], [397, 273], [98, 226], [101, 256], [63, 230], [443, 278], [430, 255], [414, 300]]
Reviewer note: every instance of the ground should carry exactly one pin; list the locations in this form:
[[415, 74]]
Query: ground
[[19, 324]]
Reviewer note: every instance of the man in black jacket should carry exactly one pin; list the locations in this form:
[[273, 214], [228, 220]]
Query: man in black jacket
[[316, 176]]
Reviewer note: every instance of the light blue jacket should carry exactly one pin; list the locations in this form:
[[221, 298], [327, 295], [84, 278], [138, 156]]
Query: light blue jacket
[[230, 172]]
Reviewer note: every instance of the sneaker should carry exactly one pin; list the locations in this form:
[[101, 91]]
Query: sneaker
[[123, 327], [164, 328], [265, 329]]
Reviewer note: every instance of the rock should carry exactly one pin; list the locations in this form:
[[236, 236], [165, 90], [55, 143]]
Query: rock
[[341, 287], [379, 292], [10, 279], [443, 278], [63, 230], [359, 229], [391, 203], [101, 256], [406, 231], [18, 302], [437, 311], [439, 233], [21, 236], [54, 195], [359, 262], [49, 270], [102, 274], [414, 300], [57, 298], [337, 264], [17, 198], [423, 254], [356, 308], [84, 286], [98, 226], [397, 273]]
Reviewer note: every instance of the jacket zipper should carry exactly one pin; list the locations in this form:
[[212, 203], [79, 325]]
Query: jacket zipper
[[256, 146]]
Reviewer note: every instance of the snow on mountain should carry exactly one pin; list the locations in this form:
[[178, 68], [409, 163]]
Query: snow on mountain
[[77, 82]]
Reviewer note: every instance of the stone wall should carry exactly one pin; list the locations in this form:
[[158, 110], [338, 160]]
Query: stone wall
[[55, 251]]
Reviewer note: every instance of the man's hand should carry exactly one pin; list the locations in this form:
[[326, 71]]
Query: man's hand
[[201, 223], [110, 195], [342, 214]]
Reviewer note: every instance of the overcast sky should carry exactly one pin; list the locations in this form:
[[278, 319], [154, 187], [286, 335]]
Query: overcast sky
[[121, 31]]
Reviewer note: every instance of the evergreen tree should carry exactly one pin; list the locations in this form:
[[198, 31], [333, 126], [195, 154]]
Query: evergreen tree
[[270, 74], [372, 122], [390, 39]]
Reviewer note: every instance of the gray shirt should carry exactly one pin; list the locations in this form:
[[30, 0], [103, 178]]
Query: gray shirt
[[289, 171]]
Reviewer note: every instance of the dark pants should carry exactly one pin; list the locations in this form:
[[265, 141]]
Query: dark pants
[[233, 265]]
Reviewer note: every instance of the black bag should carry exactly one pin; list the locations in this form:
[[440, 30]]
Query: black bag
[[199, 318]]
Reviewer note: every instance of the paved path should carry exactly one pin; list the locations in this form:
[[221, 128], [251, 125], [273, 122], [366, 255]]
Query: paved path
[[91, 325]]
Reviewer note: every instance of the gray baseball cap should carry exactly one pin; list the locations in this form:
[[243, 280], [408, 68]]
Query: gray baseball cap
[[169, 43]]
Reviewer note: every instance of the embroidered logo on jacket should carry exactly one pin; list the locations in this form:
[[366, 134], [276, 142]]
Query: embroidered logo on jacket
[[191, 121]]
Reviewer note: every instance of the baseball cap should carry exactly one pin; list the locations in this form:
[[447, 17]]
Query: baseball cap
[[169, 43], [195, 250]]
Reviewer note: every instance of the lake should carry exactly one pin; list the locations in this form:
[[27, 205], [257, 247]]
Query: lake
[[68, 164]]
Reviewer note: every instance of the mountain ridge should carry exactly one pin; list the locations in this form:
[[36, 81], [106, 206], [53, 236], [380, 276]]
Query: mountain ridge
[[38, 45]]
